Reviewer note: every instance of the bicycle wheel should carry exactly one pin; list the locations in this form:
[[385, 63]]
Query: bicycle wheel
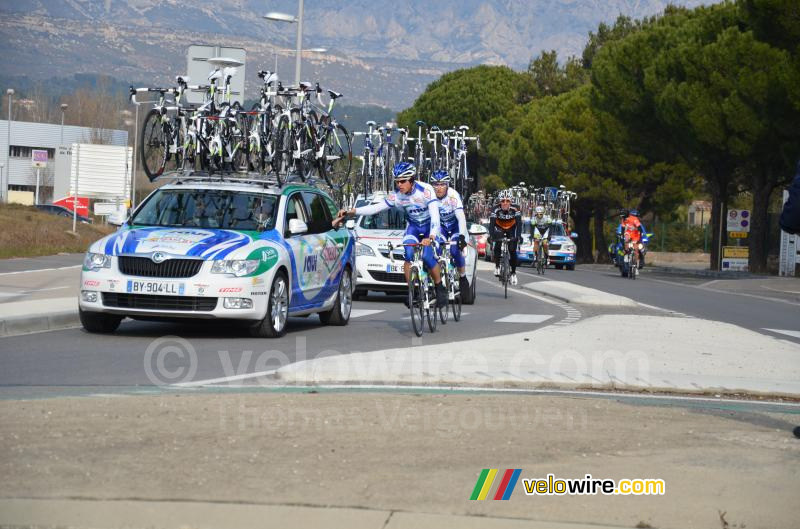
[[456, 303], [432, 309], [444, 312], [153, 145], [337, 158], [282, 159], [257, 141], [390, 160], [240, 143], [175, 155], [415, 302]]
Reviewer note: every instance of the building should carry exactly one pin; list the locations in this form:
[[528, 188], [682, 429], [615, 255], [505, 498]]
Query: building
[[25, 137], [699, 213]]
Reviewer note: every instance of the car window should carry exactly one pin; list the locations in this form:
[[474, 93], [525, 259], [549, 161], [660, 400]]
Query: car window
[[207, 208], [320, 214], [294, 210]]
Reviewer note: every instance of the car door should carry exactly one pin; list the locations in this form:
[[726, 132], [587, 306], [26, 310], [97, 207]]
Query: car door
[[304, 254], [332, 243]]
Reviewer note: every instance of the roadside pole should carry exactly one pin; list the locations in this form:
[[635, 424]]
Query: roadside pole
[[75, 192], [36, 198]]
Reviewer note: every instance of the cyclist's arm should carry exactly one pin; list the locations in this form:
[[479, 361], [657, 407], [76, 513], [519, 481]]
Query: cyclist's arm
[[462, 223], [372, 209], [433, 210], [518, 226]]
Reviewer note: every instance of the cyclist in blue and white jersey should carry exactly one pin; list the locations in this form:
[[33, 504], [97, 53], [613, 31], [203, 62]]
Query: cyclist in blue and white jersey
[[418, 199], [453, 222]]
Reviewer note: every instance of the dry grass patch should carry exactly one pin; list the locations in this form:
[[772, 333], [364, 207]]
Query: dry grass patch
[[28, 232]]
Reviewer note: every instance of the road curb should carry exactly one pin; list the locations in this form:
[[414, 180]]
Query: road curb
[[572, 293], [30, 323], [714, 274]]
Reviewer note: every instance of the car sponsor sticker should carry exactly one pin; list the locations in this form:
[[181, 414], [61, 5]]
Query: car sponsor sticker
[[91, 283], [230, 290]]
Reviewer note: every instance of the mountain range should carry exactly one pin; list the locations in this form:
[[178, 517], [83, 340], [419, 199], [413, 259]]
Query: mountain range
[[378, 51]]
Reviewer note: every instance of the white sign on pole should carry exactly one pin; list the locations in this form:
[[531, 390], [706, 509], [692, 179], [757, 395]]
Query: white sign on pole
[[38, 158], [739, 220], [102, 209]]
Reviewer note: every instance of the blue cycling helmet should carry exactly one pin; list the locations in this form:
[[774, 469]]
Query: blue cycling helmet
[[404, 170], [440, 176], [635, 212]]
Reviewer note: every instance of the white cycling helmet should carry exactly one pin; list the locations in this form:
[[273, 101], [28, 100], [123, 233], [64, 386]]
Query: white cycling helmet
[[539, 210], [505, 194]]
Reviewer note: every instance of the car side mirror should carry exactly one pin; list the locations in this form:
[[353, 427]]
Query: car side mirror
[[297, 227], [573, 235], [350, 224]]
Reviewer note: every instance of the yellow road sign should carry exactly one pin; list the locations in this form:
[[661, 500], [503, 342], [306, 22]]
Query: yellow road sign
[[737, 234], [735, 252]]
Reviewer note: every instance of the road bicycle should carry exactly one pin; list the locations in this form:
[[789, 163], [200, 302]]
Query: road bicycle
[[541, 256], [505, 265], [421, 292], [450, 277]]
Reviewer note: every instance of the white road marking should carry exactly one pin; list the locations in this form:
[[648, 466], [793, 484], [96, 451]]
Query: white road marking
[[360, 313], [793, 334], [221, 380], [449, 316], [524, 318], [22, 292], [40, 270]]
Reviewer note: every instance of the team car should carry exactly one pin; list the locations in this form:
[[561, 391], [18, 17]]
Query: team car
[[232, 250], [561, 248], [375, 270]]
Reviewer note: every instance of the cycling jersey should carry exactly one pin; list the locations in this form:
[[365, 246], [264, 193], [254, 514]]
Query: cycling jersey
[[422, 215], [454, 223], [508, 221], [540, 227], [633, 228]]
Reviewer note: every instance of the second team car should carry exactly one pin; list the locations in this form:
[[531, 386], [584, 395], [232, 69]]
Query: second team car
[[562, 247], [375, 271]]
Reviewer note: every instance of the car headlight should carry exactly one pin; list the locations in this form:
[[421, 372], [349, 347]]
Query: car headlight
[[237, 267], [364, 250], [570, 248], [96, 261]]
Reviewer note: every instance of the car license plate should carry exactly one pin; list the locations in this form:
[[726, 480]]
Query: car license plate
[[156, 287], [392, 268]]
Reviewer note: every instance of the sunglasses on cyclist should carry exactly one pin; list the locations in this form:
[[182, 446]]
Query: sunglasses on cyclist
[[505, 200], [439, 184]]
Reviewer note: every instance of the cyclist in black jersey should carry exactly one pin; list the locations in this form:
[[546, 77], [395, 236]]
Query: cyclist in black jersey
[[506, 221]]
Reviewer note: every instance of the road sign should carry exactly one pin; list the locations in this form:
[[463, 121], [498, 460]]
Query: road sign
[[739, 220], [109, 208], [789, 254], [38, 158], [737, 234], [735, 258], [67, 202]]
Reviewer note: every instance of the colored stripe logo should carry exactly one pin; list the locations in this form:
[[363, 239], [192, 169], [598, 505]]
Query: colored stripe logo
[[504, 488]]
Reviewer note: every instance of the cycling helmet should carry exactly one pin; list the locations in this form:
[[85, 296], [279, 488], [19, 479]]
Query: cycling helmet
[[539, 210], [505, 194], [634, 212], [404, 170], [440, 176], [623, 212]]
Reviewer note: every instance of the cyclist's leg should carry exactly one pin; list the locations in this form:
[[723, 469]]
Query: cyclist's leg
[[512, 254], [412, 236]]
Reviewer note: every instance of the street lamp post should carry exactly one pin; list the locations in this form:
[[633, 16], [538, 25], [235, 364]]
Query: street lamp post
[[63, 109], [283, 17], [5, 182]]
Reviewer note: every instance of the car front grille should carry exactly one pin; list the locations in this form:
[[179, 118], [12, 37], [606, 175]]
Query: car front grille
[[388, 277], [147, 301], [554, 247], [398, 254], [145, 267]]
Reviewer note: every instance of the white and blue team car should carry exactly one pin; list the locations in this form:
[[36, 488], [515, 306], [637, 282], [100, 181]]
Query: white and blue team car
[[237, 250]]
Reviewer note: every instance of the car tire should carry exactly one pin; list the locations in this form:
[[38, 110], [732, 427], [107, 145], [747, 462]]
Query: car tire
[[571, 266], [275, 321], [99, 323], [340, 313], [359, 295], [559, 267]]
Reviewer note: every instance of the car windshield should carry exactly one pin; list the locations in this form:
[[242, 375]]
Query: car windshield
[[208, 208], [390, 219], [557, 229]]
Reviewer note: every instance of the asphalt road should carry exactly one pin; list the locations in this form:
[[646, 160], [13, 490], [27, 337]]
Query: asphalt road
[[727, 301], [75, 358]]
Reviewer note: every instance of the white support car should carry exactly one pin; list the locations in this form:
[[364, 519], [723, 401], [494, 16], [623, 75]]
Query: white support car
[[374, 270], [222, 250]]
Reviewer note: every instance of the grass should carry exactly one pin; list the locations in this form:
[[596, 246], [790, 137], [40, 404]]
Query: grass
[[28, 232]]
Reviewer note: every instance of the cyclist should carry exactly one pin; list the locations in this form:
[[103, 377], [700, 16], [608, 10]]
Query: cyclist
[[418, 199], [540, 231], [633, 224], [453, 221], [616, 248], [505, 221]]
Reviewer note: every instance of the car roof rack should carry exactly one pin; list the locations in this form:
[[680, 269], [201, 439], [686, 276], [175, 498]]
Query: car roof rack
[[251, 177]]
